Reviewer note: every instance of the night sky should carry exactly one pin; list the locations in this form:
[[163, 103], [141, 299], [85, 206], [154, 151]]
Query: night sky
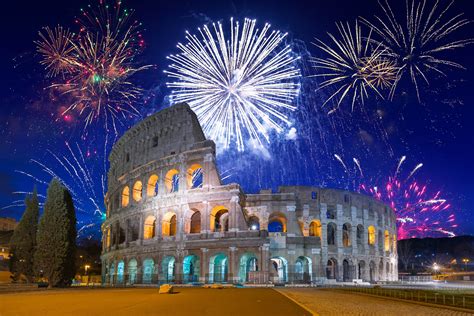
[[437, 132]]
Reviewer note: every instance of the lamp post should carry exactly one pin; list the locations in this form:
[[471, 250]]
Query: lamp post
[[86, 268], [466, 261], [436, 268]]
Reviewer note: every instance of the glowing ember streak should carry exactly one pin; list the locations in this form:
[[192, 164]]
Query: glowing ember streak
[[239, 83]]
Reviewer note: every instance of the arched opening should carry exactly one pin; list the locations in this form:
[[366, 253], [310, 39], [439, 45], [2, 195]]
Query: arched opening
[[168, 226], [248, 264], [280, 269], [371, 235], [137, 191], [195, 225], [167, 269], [254, 223], [148, 270], [120, 271], [191, 267], [331, 269], [172, 181], [361, 272], [346, 235], [381, 269], [277, 223], [347, 271], [132, 271], [152, 186], [194, 176], [380, 240], [149, 227], [372, 269], [125, 196], [303, 269], [387, 241], [112, 273], [218, 268], [315, 228], [331, 234], [219, 219], [360, 235]]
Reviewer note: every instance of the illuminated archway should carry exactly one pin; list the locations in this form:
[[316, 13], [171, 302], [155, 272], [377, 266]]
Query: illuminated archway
[[303, 269], [168, 226], [371, 235], [152, 186], [218, 265], [125, 196], [194, 176], [191, 269], [277, 223], [387, 241], [167, 269], [346, 235], [149, 227], [219, 219], [254, 223], [280, 269], [132, 271], [248, 264], [112, 272], [315, 228], [148, 270], [120, 271], [195, 223], [137, 191], [172, 181]]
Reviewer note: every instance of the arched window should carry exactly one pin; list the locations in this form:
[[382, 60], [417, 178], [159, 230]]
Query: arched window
[[277, 223], [132, 271], [149, 227], [346, 235], [371, 237], [172, 181], [168, 226], [315, 228], [254, 223], [137, 191], [195, 227], [331, 269], [219, 219], [387, 241], [125, 196], [152, 186], [360, 234], [331, 234], [380, 240], [194, 176]]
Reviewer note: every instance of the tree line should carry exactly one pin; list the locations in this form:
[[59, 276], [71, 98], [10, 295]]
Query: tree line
[[44, 248]]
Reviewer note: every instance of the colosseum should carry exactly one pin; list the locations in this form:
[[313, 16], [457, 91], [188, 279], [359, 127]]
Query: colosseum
[[170, 219]]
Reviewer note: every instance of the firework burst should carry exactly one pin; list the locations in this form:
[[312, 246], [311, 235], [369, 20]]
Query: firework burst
[[416, 44], [354, 66], [420, 212], [92, 69], [239, 84]]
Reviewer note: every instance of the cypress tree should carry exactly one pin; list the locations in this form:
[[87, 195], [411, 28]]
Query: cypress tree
[[56, 237], [23, 242]]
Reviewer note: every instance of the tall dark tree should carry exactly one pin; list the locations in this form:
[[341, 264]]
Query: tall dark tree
[[23, 242], [56, 238]]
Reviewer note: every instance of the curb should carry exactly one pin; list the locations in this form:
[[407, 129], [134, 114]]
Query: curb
[[296, 302]]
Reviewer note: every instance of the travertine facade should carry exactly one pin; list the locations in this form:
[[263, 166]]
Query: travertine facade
[[170, 219]]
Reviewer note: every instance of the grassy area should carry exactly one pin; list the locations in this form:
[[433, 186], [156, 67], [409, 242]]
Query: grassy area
[[447, 297]]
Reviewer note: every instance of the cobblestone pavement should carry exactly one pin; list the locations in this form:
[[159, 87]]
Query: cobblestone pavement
[[330, 302]]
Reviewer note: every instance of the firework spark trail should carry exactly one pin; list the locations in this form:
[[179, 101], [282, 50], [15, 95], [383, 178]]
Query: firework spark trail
[[357, 163], [239, 85], [415, 45], [353, 66], [399, 165], [342, 162], [92, 69], [414, 170]]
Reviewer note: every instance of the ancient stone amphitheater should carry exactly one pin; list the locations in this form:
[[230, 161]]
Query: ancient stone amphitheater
[[171, 220]]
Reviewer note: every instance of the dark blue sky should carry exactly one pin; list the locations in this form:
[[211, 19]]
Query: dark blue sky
[[439, 132]]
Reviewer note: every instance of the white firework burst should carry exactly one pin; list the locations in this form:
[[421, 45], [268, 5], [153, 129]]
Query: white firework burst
[[240, 84]]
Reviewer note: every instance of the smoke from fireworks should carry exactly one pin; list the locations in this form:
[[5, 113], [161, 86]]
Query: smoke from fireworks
[[240, 82], [354, 66], [420, 211], [92, 69], [417, 43]]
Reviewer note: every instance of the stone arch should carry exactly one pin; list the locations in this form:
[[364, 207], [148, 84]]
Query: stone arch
[[331, 269], [371, 235], [148, 270], [195, 222], [381, 269], [125, 196], [277, 223], [386, 241], [315, 228], [132, 270], [194, 176], [303, 269], [169, 224], [120, 272], [248, 263], [380, 240], [361, 270], [168, 269], [172, 181], [372, 271], [348, 270], [137, 191], [254, 222], [360, 235], [346, 235], [218, 268], [152, 186], [331, 234], [219, 219], [191, 269], [149, 227], [280, 269]]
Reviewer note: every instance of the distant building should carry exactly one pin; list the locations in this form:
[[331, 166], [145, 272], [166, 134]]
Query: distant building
[[7, 224], [5, 237], [171, 219]]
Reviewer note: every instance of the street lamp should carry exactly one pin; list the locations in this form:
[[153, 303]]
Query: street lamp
[[86, 267], [466, 261]]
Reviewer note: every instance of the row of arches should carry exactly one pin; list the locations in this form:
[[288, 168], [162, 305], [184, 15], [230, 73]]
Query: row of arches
[[194, 179], [350, 270]]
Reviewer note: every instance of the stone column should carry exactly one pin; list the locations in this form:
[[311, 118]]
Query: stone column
[[264, 262], [204, 266], [233, 275]]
